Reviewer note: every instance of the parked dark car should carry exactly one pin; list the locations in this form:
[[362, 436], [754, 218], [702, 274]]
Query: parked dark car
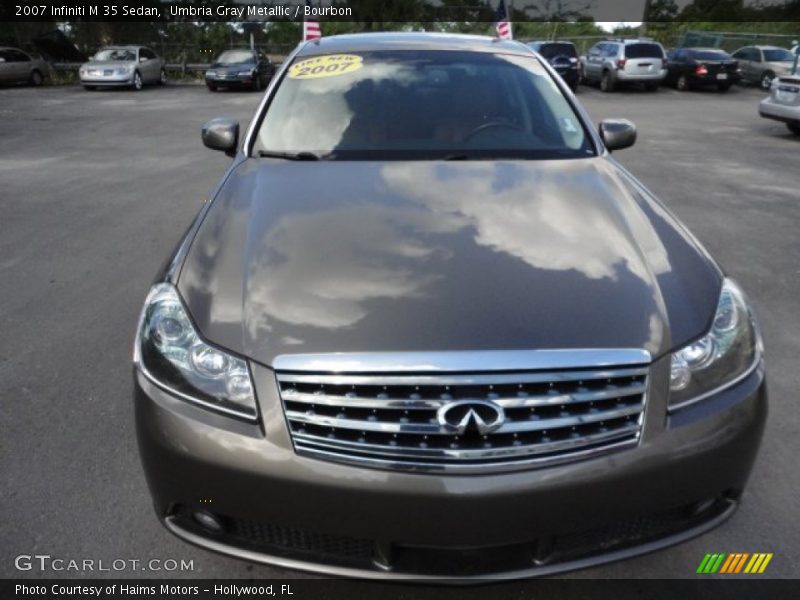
[[691, 68], [238, 69], [17, 66], [458, 342], [564, 59]]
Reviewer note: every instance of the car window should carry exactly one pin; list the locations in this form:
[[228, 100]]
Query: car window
[[678, 55], [610, 50], [145, 53], [408, 105], [778, 55], [235, 57], [643, 51], [115, 54], [551, 51], [754, 54], [710, 55]]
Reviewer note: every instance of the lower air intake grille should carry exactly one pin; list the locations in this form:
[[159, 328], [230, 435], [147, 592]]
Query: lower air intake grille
[[465, 422]]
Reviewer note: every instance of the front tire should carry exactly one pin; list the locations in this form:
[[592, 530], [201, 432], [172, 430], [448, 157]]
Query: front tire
[[682, 83], [766, 80], [162, 78], [36, 78], [606, 82], [794, 127], [137, 84], [211, 87], [257, 83]]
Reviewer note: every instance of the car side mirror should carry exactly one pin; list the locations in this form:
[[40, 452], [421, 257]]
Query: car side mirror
[[221, 134], [617, 133]]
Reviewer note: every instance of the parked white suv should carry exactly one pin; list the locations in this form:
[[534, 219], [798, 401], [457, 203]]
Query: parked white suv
[[613, 62]]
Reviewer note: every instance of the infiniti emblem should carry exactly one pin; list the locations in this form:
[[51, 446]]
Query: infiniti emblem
[[479, 416]]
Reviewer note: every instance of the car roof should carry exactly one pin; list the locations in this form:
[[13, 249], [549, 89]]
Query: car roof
[[365, 42], [550, 42], [703, 49]]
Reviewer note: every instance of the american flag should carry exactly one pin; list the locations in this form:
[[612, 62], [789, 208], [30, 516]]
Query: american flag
[[311, 30], [503, 25]]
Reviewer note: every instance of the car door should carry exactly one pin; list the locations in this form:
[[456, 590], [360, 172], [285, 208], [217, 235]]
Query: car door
[[6, 68], [742, 58], [594, 62], [752, 68], [149, 67], [264, 67], [676, 64], [20, 65]]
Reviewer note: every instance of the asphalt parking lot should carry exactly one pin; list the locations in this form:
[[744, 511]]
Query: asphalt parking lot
[[96, 188]]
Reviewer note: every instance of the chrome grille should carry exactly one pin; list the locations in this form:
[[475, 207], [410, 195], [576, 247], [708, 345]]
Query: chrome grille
[[394, 420]]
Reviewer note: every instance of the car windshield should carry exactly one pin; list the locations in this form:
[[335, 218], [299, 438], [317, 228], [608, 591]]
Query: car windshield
[[406, 105], [550, 51], [115, 54], [778, 55], [710, 55], [643, 51], [235, 57]]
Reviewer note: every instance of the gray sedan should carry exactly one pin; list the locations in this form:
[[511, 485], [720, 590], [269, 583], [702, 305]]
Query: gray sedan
[[17, 66], [453, 343], [762, 64], [123, 66]]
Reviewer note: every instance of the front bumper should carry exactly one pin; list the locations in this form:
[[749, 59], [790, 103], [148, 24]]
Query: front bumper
[[107, 80], [769, 109], [280, 508], [238, 80]]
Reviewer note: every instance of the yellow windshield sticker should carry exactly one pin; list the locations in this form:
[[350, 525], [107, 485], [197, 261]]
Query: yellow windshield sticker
[[328, 65]]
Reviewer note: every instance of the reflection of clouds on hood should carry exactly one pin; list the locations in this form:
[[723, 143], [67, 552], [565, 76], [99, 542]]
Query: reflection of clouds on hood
[[303, 276], [526, 214]]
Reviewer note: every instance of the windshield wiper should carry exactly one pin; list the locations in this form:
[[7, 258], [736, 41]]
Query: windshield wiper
[[291, 155]]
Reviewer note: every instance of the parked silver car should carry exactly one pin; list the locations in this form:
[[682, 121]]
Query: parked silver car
[[783, 102], [17, 66], [123, 66], [761, 64], [612, 62]]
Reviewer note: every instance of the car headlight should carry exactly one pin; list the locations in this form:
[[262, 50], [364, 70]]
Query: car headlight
[[169, 351], [730, 349], [249, 73], [124, 70], [211, 73]]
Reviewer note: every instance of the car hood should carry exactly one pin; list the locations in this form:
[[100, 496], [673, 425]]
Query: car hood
[[320, 257]]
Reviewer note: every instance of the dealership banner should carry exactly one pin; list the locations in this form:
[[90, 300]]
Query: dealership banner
[[323, 589], [418, 11]]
